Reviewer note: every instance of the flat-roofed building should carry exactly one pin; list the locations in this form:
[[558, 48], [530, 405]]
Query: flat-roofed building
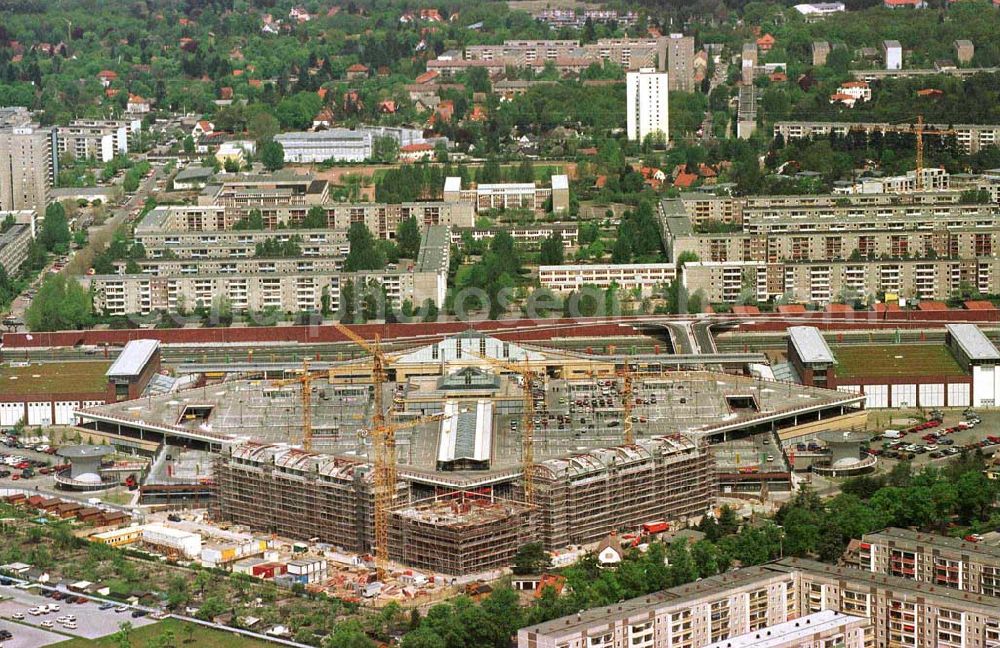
[[511, 195], [810, 355], [26, 163], [824, 629], [820, 52], [288, 285], [100, 140], [132, 370], [977, 355], [970, 137], [720, 609], [16, 241], [627, 276], [932, 559], [346, 145]]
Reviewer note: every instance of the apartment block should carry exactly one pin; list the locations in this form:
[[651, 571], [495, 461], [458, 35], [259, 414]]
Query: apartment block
[[829, 248], [215, 223], [644, 276], [647, 104], [101, 140], [754, 606], [26, 162], [510, 195], [932, 559], [254, 284], [15, 241], [820, 52], [971, 137]]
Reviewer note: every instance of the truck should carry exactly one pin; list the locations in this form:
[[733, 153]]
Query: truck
[[892, 434]]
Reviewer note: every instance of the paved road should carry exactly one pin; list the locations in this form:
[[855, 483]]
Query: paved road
[[117, 217]]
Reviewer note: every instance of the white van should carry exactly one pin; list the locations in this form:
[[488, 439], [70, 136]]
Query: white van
[[892, 434]]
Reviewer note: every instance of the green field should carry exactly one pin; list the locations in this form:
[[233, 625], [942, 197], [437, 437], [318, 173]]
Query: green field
[[55, 379], [895, 360], [201, 638]]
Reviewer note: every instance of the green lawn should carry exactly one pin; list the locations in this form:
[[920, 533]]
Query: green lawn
[[202, 638], [55, 378], [895, 360]]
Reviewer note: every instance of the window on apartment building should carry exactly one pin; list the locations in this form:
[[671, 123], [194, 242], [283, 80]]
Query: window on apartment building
[[834, 247], [899, 246], [435, 352], [867, 246], [506, 350], [984, 245]]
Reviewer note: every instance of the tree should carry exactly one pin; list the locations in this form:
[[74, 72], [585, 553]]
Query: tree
[[202, 580], [976, 494], [188, 144], [530, 559], [212, 607], [61, 304], [385, 149], [263, 126], [54, 234], [408, 238], [552, 250], [364, 254], [423, 638], [347, 302], [122, 638], [272, 155], [315, 218], [348, 634], [177, 592]]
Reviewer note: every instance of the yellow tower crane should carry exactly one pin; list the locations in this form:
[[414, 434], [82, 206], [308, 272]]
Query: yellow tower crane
[[919, 130], [528, 377], [305, 382], [383, 446]]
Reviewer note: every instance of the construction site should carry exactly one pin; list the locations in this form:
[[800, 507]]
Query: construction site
[[451, 455]]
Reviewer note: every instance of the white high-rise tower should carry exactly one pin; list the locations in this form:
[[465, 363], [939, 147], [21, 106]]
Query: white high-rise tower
[[646, 103]]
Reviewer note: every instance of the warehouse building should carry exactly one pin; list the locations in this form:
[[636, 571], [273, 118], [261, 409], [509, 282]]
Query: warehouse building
[[978, 356], [893, 375]]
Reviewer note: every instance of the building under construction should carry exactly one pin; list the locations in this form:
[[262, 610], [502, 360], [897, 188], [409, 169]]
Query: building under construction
[[463, 415], [460, 533], [583, 497]]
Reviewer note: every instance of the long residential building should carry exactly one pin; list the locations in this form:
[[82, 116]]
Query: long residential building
[[288, 285], [751, 607], [932, 559], [176, 224], [844, 248], [971, 137], [673, 54], [645, 276]]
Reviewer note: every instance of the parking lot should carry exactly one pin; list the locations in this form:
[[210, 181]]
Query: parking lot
[[91, 621], [28, 636]]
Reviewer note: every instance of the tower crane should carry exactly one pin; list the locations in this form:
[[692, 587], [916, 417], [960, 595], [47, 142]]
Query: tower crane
[[919, 130], [528, 376], [628, 401], [305, 381], [383, 447]]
